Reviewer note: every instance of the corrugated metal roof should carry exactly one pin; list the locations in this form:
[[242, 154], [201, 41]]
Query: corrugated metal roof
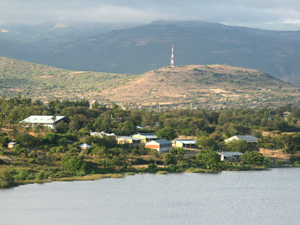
[[146, 135], [248, 138], [161, 141], [129, 138], [41, 119], [85, 146], [186, 141], [230, 154]]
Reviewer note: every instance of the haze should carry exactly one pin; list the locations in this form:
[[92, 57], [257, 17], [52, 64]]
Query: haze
[[230, 12]]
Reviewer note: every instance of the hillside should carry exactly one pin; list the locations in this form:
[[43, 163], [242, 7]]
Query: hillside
[[214, 86], [44, 82], [144, 48]]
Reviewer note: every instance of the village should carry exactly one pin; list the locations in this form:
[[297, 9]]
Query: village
[[80, 140]]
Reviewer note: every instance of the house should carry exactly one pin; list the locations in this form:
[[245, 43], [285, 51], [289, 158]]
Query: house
[[184, 143], [230, 156], [49, 121], [11, 144], [145, 137], [102, 134], [286, 114], [248, 138], [128, 140], [161, 145], [85, 146]]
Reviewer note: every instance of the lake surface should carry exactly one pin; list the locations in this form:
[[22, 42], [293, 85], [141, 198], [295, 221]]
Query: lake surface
[[248, 197]]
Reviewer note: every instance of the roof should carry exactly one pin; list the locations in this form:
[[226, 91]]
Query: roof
[[12, 143], [186, 141], [161, 142], [146, 135], [230, 154], [248, 138], [101, 134], [85, 146], [42, 119], [129, 138]]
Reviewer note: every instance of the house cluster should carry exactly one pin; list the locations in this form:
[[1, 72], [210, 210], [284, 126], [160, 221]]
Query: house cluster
[[150, 140]]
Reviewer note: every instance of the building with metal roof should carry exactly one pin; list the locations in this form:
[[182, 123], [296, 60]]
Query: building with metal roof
[[102, 134], [49, 121], [128, 140], [248, 138], [184, 143], [84, 146], [161, 145], [145, 137], [230, 156]]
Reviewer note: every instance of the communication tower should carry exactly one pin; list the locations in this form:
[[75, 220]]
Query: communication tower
[[172, 58]]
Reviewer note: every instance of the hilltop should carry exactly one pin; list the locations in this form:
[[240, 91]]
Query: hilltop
[[215, 86]]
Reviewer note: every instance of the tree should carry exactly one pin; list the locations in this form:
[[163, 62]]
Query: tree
[[207, 142], [166, 133], [210, 159], [237, 146], [126, 128], [73, 164], [253, 158], [177, 154], [6, 179]]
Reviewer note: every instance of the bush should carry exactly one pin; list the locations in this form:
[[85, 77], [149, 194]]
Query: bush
[[40, 176], [73, 164], [6, 179], [22, 175]]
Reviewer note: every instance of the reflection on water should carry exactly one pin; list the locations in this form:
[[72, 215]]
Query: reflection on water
[[251, 197]]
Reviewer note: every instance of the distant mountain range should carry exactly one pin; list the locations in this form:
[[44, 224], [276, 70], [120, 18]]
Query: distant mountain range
[[140, 49]]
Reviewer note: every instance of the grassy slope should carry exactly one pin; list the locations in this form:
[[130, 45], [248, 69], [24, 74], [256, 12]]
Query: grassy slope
[[45, 82]]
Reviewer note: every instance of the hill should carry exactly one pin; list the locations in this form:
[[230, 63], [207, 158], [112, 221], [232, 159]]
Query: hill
[[144, 48], [214, 86], [45, 82]]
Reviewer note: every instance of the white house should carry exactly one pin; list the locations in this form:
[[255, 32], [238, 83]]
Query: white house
[[230, 156], [248, 138], [49, 121]]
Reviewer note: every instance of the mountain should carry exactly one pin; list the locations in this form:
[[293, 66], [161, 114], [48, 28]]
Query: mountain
[[201, 86], [45, 35], [140, 49]]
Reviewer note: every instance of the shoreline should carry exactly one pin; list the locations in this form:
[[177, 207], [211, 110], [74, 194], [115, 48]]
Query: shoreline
[[93, 177]]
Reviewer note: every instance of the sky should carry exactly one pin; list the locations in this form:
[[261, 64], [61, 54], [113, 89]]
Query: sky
[[132, 11]]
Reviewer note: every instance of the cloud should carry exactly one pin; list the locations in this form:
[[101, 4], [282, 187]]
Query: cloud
[[229, 11]]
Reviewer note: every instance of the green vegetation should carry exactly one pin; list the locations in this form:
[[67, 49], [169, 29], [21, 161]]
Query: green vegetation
[[47, 83], [43, 154]]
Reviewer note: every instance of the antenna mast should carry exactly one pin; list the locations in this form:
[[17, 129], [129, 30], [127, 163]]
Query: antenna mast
[[172, 59]]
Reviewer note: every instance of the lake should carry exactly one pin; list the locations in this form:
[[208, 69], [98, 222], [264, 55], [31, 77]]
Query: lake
[[245, 197]]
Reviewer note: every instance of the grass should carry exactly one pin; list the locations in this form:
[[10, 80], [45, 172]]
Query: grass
[[90, 177], [162, 172], [198, 170], [130, 174]]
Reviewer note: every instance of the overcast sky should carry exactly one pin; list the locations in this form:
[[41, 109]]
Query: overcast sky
[[222, 11]]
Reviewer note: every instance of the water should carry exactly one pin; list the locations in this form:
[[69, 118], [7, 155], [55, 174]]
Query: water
[[248, 197]]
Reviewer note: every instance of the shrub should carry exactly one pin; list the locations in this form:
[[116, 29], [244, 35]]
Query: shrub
[[40, 176], [22, 175]]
